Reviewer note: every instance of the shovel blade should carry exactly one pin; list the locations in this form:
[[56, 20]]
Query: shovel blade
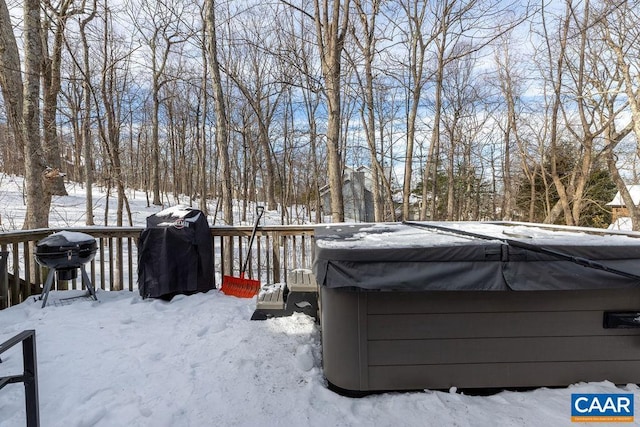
[[240, 287]]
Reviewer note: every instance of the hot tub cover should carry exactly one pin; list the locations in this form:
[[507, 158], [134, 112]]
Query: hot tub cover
[[415, 257]]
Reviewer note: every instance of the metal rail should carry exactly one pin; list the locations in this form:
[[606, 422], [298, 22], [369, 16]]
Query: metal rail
[[29, 376]]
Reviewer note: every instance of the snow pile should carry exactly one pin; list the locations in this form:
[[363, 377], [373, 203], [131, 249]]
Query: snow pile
[[622, 223], [72, 236]]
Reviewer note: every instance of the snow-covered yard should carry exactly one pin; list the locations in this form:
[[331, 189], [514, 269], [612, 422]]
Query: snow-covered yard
[[199, 361]]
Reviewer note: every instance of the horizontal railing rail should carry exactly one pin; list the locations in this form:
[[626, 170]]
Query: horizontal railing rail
[[29, 376], [276, 250]]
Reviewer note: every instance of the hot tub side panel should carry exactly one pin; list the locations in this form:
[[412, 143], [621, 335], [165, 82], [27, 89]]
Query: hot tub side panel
[[376, 340], [344, 340]]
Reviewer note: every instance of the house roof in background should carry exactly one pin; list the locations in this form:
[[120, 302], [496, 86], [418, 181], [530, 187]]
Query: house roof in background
[[634, 190]]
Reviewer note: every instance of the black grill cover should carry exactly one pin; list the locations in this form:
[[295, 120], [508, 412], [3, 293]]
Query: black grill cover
[[175, 254]]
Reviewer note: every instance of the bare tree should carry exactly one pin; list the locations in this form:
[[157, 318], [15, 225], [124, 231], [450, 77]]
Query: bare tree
[[392, 84], [583, 84], [302, 60], [10, 76], [56, 19], [87, 142], [620, 32], [556, 69], [159, 24], [418, 40], [78, 106], [463, 120], [22, 100], [221, 130], [201, 117], [366, 41], [332, 19], [114, 79], [509, 88], [260, 80], [456, 24]]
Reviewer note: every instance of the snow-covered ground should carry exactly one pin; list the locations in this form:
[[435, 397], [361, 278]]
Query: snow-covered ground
[[623, 224], [199, 361], [69, 211]]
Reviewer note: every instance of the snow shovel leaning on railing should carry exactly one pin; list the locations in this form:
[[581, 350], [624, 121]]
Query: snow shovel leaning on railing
[[240, 286]]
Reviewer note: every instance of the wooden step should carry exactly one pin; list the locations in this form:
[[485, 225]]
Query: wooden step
[[300, 294], [271, 297], [301, 280]]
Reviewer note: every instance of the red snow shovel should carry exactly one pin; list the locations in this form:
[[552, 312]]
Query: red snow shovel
[[239, 286]]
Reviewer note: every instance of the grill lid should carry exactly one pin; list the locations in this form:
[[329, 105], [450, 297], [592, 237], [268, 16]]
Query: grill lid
[[66, 239], [66, 249]]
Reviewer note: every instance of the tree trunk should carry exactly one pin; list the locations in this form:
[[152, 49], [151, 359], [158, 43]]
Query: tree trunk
[[313, 139], [331, 26], [268, 163], [10, 77], [431, 170], [221, 132], [87, 142], [51, 63], [555, 117], [408, 162], [155, 147], [368, 47], [22, 103], [451, 179], [417, 49], [203, 189], [38, 200]]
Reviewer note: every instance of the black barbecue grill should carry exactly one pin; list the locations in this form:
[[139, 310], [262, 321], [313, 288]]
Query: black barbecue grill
[[63, 253]]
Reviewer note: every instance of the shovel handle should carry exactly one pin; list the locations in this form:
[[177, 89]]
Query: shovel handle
[[259, 212]]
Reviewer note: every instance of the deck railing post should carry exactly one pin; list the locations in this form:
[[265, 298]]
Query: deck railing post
[[276, 257], [4, 280], [15, 283]]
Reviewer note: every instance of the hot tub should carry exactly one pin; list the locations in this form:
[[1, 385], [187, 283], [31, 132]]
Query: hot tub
[[410, 306]]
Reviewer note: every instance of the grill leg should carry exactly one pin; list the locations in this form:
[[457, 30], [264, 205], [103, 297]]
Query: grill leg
[[87, 282], [47, 286]]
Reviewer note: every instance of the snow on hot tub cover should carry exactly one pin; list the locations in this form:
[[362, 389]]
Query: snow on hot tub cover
[[414, 257]]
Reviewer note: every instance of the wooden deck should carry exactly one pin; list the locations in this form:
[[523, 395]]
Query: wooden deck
[[277, 250], [298, 295], [271, 298]]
